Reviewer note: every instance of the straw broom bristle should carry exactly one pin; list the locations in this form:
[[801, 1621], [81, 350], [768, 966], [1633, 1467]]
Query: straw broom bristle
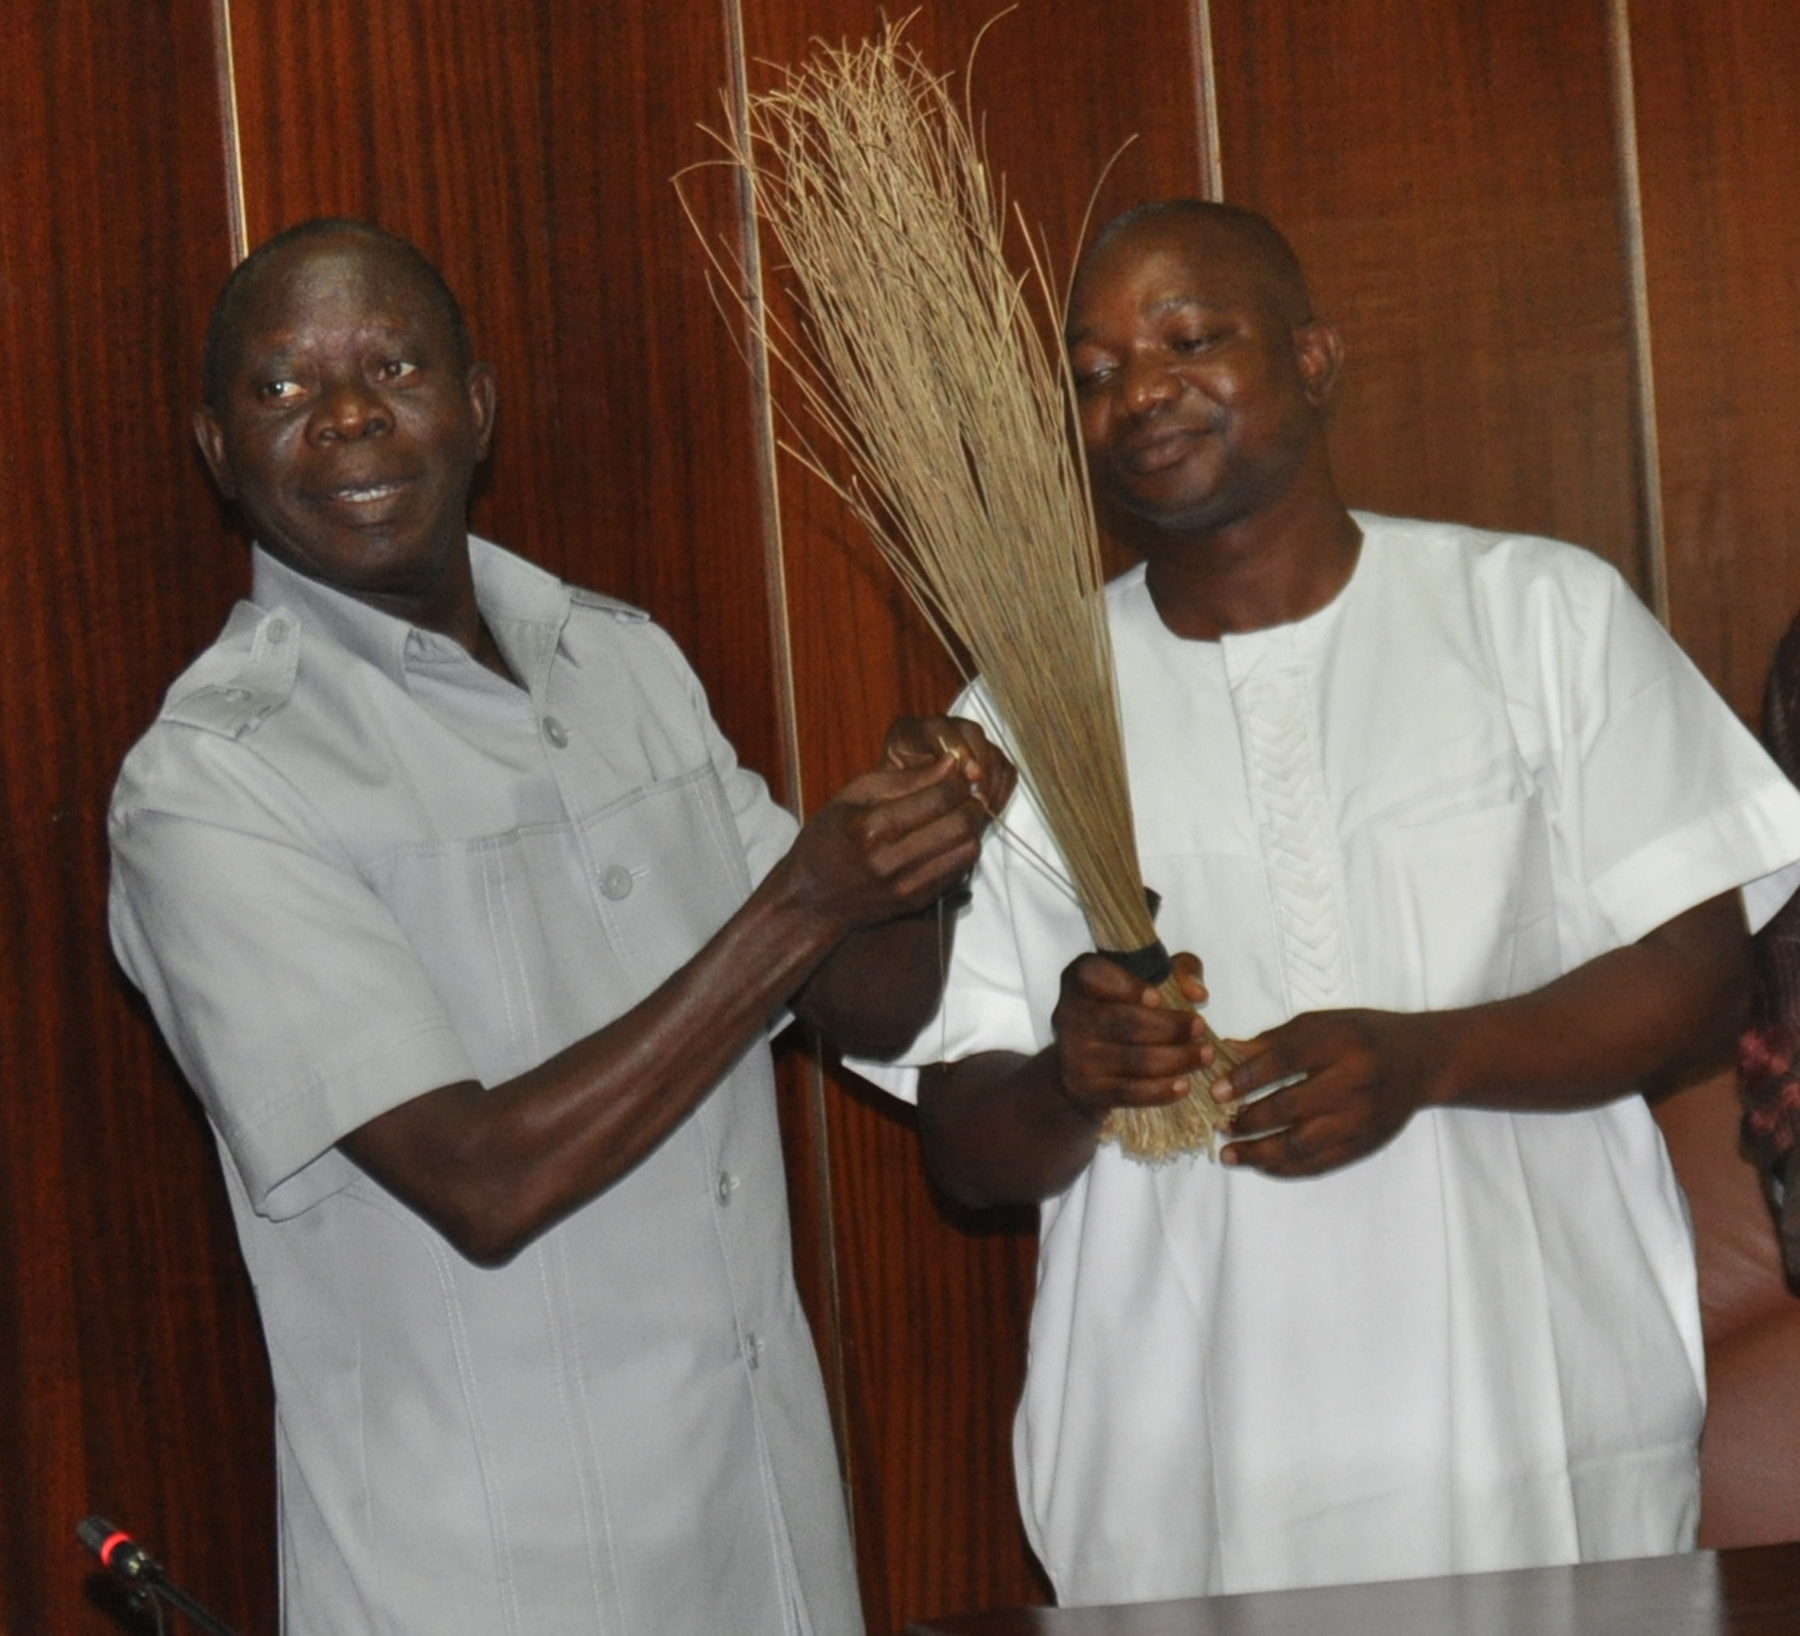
[[918, 355]]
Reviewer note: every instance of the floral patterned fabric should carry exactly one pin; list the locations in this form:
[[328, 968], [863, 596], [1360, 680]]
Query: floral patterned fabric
[[1769, 1054]]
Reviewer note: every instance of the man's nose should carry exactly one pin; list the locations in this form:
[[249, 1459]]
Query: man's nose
[[349, 409], [1147, 384]]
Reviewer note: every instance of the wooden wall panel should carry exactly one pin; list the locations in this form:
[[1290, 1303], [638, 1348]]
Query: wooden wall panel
[[1447, 172], [529, 149], [1448, 169], [932, 1310], [132, 1381], [1718, 113]]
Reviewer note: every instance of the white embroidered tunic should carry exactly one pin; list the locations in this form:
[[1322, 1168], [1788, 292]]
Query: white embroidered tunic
[[1482, 765]]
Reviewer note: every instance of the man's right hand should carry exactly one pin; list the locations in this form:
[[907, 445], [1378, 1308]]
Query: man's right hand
[[895, 839], [1119, 1044], [1002, 1128]]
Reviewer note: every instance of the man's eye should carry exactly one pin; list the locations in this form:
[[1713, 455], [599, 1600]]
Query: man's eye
[[277, 391], [396, 369], [1197, 340], [1087, 377]]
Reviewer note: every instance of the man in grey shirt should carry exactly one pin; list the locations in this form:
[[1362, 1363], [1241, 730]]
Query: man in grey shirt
[[468, 929]]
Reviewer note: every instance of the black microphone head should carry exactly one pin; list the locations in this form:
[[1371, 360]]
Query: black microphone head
[[94, 1532], [118, 1550]]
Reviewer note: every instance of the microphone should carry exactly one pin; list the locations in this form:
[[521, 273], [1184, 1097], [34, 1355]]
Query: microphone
[[138, 1568], [120, 1552]]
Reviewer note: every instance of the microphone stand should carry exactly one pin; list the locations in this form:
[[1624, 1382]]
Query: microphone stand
[[146, 1576]]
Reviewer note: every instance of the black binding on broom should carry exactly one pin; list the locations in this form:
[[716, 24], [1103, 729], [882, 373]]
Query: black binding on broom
[[1151, 964]]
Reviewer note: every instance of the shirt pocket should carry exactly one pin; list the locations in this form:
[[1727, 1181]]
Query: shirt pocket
[[535, 938], [1467, 909]]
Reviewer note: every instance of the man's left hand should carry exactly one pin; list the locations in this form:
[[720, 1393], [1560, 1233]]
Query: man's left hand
[[1347, 1082]]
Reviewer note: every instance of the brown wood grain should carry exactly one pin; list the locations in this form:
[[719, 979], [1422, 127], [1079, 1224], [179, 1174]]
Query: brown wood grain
[[1448, 170], [1718, 107], [1447, 173], [132, 1381]]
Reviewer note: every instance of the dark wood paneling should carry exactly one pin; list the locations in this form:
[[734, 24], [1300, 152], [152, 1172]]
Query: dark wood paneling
[[131, 1378], [932, 1314], [1718, 106], [529, 149], [1447, 172]]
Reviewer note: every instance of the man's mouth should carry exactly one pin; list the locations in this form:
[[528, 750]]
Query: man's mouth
[[1145, 456], [362, 493]]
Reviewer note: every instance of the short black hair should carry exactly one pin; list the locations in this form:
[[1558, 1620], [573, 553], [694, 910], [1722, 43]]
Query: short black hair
[[213, 361]]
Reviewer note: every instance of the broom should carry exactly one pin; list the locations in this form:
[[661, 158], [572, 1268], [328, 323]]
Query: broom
[[917, 354]]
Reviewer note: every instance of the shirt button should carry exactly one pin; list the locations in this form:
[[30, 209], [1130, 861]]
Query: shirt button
[[753, 1350], [727, 1186], [556, 732], [615, 883], [278, 632]]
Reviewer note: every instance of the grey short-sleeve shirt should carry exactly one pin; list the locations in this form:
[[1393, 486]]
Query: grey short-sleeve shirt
[[351, 865]]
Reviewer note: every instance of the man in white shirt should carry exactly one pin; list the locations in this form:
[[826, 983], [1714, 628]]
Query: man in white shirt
[[1468, 846]]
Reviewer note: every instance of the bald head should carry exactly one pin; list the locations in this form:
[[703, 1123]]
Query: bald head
[[224, 326], [1235, 240]]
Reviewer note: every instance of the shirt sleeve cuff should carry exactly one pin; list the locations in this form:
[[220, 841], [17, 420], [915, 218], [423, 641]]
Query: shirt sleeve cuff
[[1754, 846], [287, 1157]]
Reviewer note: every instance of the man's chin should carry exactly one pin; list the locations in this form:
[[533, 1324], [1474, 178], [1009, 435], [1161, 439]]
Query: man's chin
[[365, 564], [1163, 517]]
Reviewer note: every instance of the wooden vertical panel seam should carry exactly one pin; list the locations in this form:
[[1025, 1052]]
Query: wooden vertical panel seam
[[1206, 88], [768, 482], [229, 132], [768, 485], [1643, 364]]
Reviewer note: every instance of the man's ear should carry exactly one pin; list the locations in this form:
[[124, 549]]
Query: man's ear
[[483, 392], [211, 437], [1319, 351]]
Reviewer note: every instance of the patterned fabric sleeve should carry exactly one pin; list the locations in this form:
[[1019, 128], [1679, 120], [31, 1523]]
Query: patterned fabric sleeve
[[1769, 1053]]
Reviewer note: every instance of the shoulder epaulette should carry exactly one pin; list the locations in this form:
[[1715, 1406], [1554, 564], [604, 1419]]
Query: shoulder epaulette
[[231, 692], [607, 604]]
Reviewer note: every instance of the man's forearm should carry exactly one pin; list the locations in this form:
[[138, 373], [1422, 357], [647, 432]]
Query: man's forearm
[[996, 1129], [493, 1167], [1641, 1017], [881, 984]]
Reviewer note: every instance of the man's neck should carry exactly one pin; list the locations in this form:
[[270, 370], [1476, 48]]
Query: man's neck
[[1271, 569], [447, 604]]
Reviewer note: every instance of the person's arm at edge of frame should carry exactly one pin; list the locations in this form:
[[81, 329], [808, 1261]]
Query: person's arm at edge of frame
[[491, 1168], [1769, 1051], [1769, 1081]]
